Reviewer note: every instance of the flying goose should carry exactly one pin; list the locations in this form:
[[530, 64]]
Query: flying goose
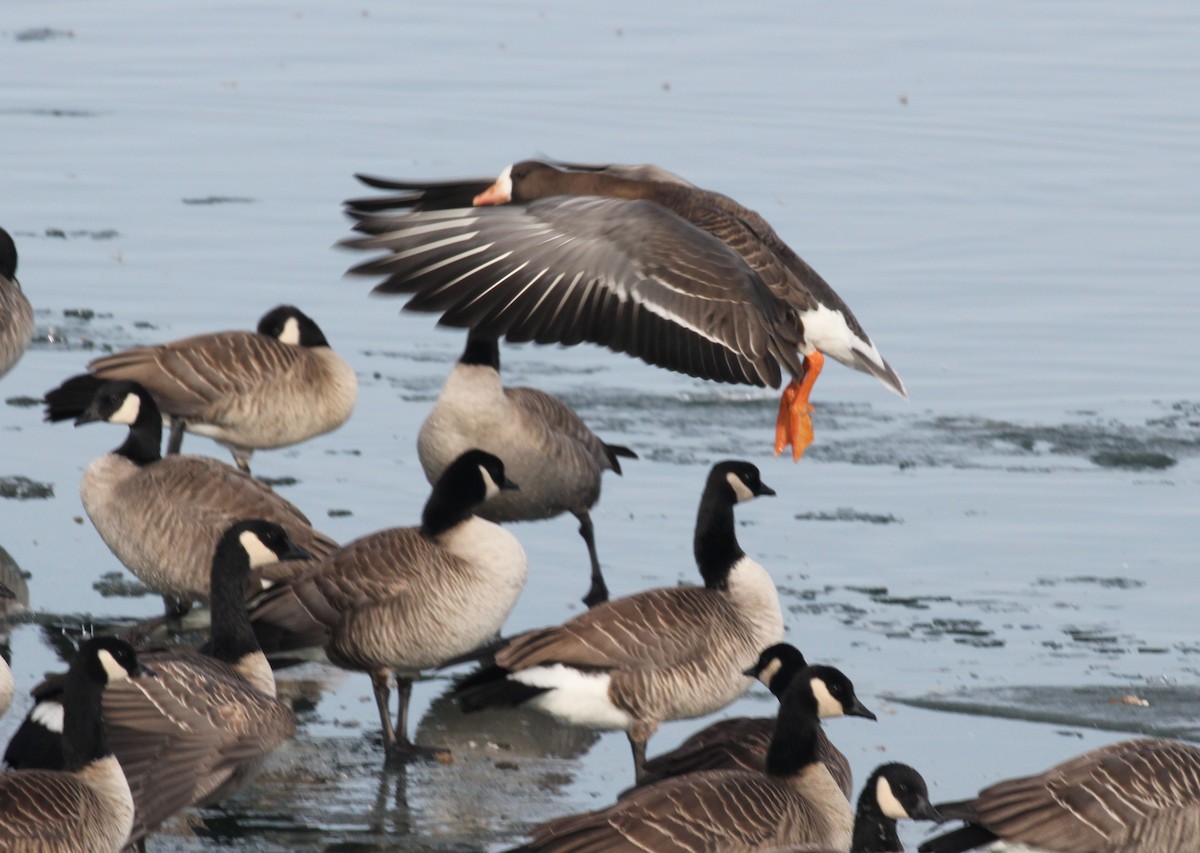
[[742, 742], [407, 599], [794, 801], [200, 729], [546, 447], [893, 792], [665, 654], [162, 516], [247, 391], [87, 805], [630, 257], [1136, 796], [16, 314]]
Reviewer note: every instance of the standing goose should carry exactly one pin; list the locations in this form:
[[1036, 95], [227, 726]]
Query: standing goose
[[87, 805], [795, 801], [665, 654], [546, 447], [893, 792], [163, 516], [629, 257], [1136, 796], [200, 729], [741, 743], [16, 314], [407, 599], [245, 390]]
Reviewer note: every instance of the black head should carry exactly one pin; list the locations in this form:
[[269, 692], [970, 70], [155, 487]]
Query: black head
[[737, 481], [288, 324], [263, 543], [8, 256], [120, 402], [470, 480], [777, 666], [832, 691], [107, 659], [900, 793]]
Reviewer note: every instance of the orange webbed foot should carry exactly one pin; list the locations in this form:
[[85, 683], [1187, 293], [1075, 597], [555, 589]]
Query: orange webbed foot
[[794, 424]]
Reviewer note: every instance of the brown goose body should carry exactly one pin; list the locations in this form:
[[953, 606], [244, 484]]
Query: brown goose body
[[16, 314], [1136, 796]]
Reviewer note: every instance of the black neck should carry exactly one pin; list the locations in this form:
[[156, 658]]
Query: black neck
[[874, 832], [84, 740], [794, 744], [716, 546], [143, 445], [443, 511], [482, 351], [232, 635]]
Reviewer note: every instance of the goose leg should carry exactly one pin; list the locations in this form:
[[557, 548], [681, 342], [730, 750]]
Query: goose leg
[[175, 440], [638, 734], [598, 593], [794, 424], [242, 458], [379, 681], [402, 749]]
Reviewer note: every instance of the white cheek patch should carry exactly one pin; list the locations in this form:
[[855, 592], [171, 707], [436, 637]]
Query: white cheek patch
[[489, 485], [115, 671], [48, 715], [291, 332], [827, 706], [769, 671], [128, 413], [259, 554], [740, 490], [888, 802]]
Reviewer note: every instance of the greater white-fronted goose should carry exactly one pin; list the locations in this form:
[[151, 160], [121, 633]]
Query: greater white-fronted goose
[[86, 806], [741, 743], [629, 257], [795, 801], [1136, 796], [665, 654], [163, 516], [546, 447], [408, 599], [247, 391], [199, 730], [16, 314]]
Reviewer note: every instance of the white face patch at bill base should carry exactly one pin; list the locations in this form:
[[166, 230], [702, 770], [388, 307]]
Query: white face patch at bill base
[[503, 183], [827, 706], [128, 412], [740, 490], [259, 554], [115, 671], [48, 715], [889, 803], [291, 332]]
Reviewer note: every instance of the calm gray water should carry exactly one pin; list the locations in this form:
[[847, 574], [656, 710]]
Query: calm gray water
[[1007, 195]]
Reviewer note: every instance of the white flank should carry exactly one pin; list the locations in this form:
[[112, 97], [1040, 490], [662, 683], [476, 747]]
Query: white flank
[[48, 715], [576, 697], [115, 671], [259, 554], [888, 802], [291, 332], [128, 413], [827, 706], [740, 490], [825, 329]]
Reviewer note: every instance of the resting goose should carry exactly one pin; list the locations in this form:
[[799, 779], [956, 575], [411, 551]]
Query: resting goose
[[87, 805], [546, 447], [666, 654], [407, 599], [275, 387], [795, 801], [741, 743], [630, 257], [200, 730], [162, 516], [16, 314], [1136, 796]]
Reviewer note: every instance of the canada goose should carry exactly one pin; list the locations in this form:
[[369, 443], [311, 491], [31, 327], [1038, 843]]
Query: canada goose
[[6, 677], [742, 742], [546, 447], [630, 257], [87, 805], [247, 391], [794, 801], [1136, 796], [162, 516], [893, 792], [406, 599], [665, 654], [16, 314], [201, 728]]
